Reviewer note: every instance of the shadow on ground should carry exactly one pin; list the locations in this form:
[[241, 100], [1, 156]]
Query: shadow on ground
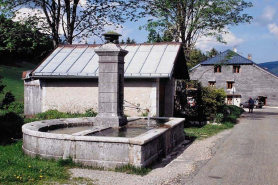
[[175, 153], [259, 114]]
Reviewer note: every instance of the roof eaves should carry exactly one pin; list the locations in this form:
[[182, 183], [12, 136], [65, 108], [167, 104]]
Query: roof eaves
[[176, 58]]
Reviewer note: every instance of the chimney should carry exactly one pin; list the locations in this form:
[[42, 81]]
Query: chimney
[[249, 57], [234, 49]]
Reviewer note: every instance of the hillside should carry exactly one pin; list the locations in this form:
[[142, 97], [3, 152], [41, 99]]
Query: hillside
[[271, 66], [12, 79]]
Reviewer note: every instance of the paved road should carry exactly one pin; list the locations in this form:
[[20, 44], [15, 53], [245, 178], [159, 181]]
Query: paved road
[[248, 156]]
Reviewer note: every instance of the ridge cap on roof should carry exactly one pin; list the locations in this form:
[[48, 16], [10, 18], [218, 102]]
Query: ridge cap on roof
[[224, 53], [136, 44]]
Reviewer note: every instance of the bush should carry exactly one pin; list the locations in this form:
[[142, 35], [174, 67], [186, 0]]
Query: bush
[[55, 114], [10, 127], [16, 107], [219, 118], [231, 113], [90, 113], [213, 100]]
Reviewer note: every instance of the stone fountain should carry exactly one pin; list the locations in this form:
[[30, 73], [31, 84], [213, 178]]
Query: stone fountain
[[110, 139], [111, 84]]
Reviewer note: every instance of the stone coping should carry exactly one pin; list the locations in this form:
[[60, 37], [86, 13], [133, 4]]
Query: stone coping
[[33, 128]]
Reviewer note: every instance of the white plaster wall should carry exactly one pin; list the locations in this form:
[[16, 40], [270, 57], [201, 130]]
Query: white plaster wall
[[70, 95], [143, 92], [78, 95]]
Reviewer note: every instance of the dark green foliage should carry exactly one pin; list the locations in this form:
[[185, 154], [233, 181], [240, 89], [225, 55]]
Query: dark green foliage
[[196, 57], [213, 100], [16, 107], [128, 41], [90, 113], [231, 113], [130, 169], [10, 127], [8, 99], [219, 118], [1, 85], [22, 41], [212, 53]]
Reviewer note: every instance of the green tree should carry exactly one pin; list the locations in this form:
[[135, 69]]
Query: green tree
[[77, 19], [212, 53], [122, 42], [22, 40], [196, 57], [158, 38], [128, 41], [189, 20]]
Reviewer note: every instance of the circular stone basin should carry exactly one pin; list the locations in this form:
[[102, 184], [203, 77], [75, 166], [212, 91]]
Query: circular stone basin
[[137, 143]]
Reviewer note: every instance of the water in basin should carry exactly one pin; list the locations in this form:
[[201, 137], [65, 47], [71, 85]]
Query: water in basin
[[126, 131], [132, 129], [69, 130]]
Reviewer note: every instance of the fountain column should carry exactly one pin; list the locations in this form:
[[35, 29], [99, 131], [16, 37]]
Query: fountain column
[[111, 84]]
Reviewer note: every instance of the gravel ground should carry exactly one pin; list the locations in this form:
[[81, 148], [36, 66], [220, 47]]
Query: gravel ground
[[183, 162]]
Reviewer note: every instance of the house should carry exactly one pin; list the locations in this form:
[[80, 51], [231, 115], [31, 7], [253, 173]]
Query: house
[[67, 80], [240, 77]]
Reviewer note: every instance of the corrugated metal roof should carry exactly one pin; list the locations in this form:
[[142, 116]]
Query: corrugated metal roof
[[227, 57], [143, 60]]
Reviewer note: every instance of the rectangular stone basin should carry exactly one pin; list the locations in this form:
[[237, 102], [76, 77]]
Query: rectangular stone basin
[[141, 151]]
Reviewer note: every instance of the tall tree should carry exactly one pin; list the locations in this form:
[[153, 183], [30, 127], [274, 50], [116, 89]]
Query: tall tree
[[196, 56], [128, 41], [21, 41], [19, 37], [212, 53], [188, 20], [75, 19]]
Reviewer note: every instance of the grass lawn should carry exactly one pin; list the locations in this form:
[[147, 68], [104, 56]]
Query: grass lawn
[[12, 79], [206, 131], [16, 168]]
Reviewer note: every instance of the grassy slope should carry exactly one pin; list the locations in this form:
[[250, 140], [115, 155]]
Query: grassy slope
[[12, 79]]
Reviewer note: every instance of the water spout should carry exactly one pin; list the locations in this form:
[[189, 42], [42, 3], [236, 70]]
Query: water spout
[[149, 122]]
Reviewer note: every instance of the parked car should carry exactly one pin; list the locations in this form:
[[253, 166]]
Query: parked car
[[257, 104]]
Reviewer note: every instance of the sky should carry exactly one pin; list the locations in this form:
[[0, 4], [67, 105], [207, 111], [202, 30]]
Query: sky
[[260, 38]]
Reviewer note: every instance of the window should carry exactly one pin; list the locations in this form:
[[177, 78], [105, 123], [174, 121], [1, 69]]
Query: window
[[230, 85], [217, 69], [229, 100], [212, 84], [236, 69]]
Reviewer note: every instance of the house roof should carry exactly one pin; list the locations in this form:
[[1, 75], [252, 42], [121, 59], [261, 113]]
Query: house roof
[[142, 60], [227, 57]]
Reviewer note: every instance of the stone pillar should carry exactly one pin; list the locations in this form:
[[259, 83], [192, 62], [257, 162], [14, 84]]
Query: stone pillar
[[111, 86]]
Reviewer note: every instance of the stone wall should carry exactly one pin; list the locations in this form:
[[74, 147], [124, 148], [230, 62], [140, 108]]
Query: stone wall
[[251, 81], [77, 95]]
